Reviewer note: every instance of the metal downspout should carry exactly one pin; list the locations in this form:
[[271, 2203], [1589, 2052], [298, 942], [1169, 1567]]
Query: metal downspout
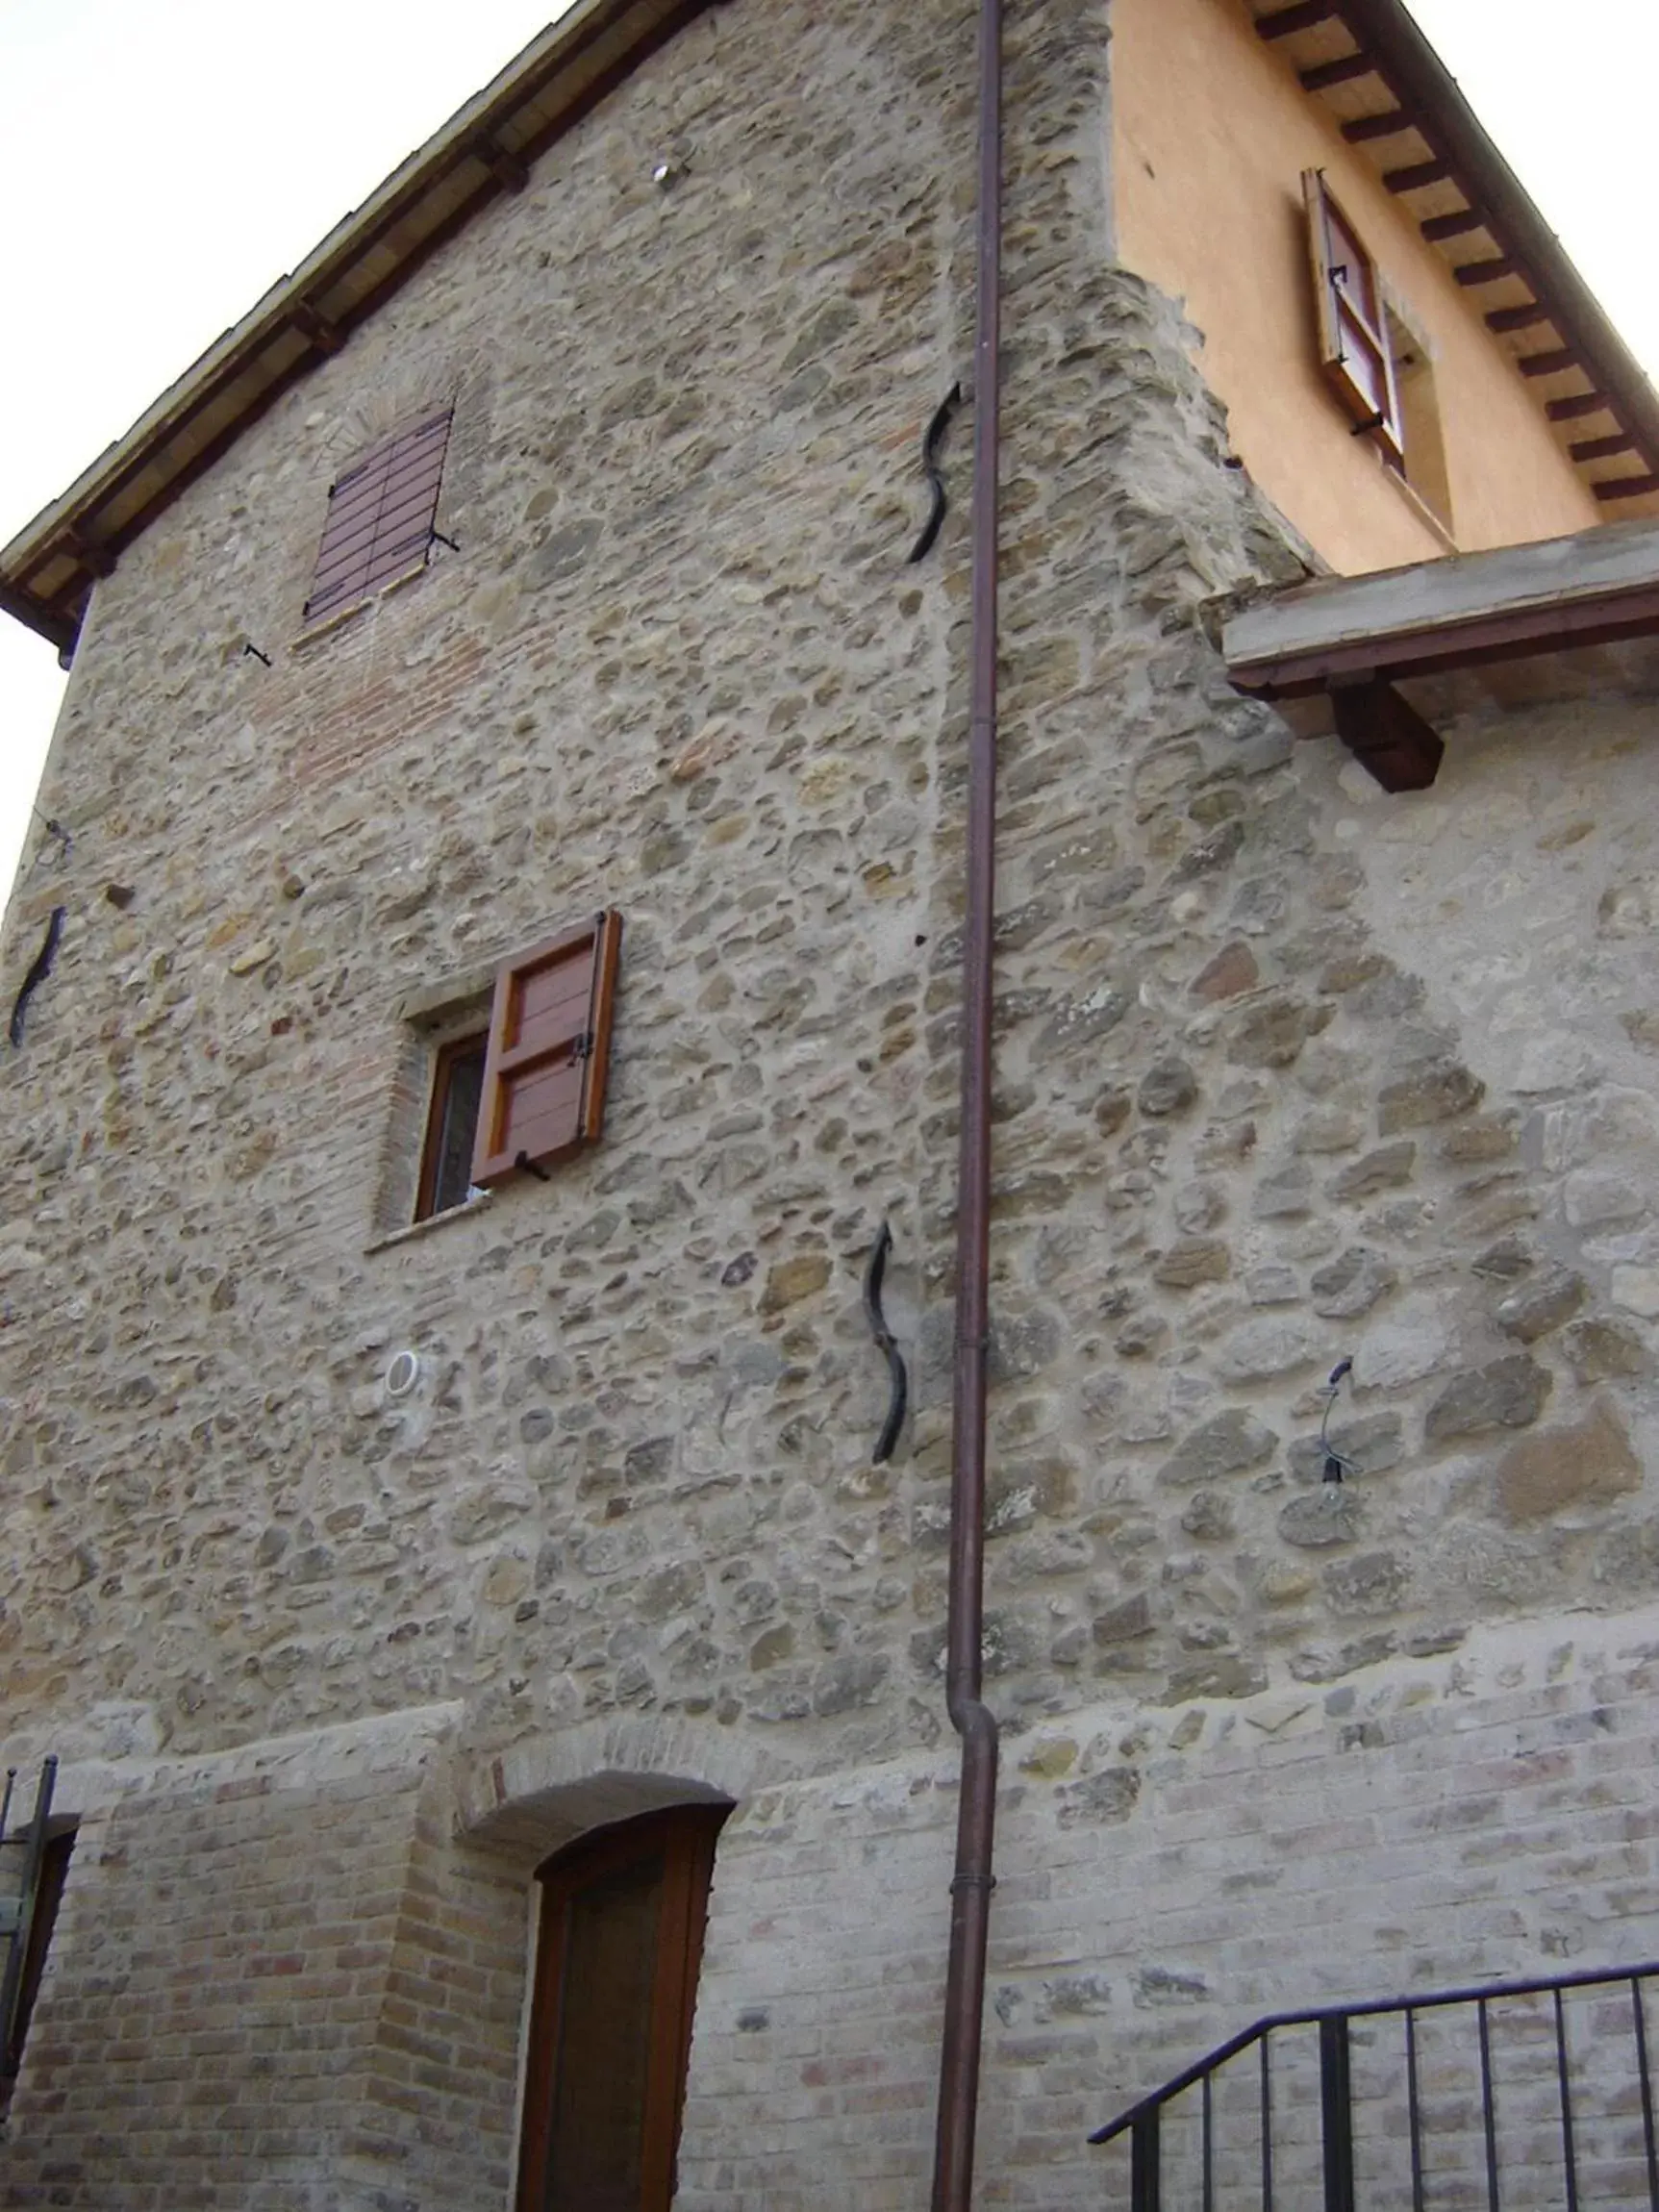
[[976, 1810]]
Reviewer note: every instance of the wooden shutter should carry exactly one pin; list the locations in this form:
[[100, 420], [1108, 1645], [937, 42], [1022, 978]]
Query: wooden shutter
[[1354, 350], [549, 1050], [380, 515]]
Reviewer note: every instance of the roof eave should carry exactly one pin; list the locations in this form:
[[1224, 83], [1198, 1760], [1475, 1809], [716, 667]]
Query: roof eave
[[1421, 79], [48, 569]]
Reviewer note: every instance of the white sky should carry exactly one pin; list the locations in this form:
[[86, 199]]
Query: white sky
[[162, 162]]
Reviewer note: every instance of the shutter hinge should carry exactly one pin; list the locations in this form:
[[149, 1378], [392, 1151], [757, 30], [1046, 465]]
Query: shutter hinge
[[582, 1046]]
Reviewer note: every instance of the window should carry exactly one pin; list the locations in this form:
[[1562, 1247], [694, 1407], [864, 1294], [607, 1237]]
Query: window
[[451, 1126], [1422, 463], [531, 1088], [618, 1953], [1356, 351], [382, 514]]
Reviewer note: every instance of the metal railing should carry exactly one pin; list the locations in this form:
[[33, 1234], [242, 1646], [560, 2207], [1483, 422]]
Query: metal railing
[[19, 1891], [1503, 2097]]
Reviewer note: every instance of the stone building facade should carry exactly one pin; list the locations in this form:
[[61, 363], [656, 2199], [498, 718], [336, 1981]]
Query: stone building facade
[[335, 1648]]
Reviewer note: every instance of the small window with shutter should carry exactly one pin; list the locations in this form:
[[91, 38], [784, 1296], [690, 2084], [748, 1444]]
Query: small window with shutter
[[382, 517], [529, 1090], [1356, 352]]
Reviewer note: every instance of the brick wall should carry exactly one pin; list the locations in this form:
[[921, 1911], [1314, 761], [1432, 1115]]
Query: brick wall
[[274, 1983], [1163, 1878]]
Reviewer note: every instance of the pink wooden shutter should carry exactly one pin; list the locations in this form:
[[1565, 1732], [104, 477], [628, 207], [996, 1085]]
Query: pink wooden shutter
[[549, 1050], [380, 515]]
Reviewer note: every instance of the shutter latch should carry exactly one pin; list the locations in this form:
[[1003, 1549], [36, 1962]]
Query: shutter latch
[[582, 1047]]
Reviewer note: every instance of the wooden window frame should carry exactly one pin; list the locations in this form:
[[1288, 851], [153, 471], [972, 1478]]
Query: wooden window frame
[[449, 1053], [684, 1837], [1351, 315], [382, 515], [511, 1063]]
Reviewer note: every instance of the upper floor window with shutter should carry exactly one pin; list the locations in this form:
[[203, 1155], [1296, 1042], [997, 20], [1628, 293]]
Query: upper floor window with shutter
[[531, 1090], [1355, 348], [382, 517]]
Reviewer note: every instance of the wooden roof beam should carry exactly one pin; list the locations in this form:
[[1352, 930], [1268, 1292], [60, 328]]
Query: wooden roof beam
[[1602, 448], [1484, 272], [1549, 363], [88, 554], [1387, 734], [1527, 317], [1389, 124], [1286, 22], [1577, 403], [510, 172], [1342, 71], [315, 328], [1626, 487], [1416, 176], [1434, 228]]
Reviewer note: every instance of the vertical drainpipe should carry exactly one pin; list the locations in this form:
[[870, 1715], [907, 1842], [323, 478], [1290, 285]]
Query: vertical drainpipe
[[976, 1808]]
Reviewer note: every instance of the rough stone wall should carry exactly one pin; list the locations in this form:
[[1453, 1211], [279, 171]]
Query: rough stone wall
[[1251, 1114], [679, 667]]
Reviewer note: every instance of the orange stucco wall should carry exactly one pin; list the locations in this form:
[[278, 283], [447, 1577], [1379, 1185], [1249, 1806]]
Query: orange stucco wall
[[1210, 134]]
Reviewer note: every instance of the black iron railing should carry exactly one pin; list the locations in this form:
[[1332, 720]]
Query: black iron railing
[[1494, 2099]]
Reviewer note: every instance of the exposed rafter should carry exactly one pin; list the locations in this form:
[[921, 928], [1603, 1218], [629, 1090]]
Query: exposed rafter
[[1418, 176], [1360, 130], [1286, 22], [1486, 273], [1456, 225], [1342, 71]]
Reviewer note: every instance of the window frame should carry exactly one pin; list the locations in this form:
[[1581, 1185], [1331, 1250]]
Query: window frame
[[1351, 315], [465, 1046], [684, 1836]]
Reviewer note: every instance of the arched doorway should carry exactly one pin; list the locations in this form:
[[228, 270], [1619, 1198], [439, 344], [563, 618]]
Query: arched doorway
[[617, 1952]]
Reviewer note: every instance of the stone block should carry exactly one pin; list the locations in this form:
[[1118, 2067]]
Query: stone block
[[1436, 1091], [1385, 1169], [1601, 1351], [1541, 1304], [1191, 1261], [1231, 971], [1352, 1283], [1506, 1394], [1258, 1350], [1590, 1463], [1233, 1442], [1324, 1519], [1169, 1086]]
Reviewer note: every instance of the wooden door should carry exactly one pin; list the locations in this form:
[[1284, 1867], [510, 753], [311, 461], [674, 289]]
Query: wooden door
[[620, 1941]]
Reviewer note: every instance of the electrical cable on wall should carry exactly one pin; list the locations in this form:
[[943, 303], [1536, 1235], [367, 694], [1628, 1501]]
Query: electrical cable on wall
[[38, 972], [930, 446], [884, 1337]]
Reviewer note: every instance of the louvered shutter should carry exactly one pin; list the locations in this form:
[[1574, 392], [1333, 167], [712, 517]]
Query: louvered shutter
[[1354, 351], [380, 515], [549, 1050]]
